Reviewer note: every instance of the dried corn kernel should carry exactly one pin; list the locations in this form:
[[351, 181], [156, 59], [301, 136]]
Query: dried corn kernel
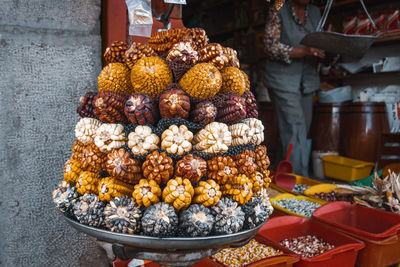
[[253, 251]]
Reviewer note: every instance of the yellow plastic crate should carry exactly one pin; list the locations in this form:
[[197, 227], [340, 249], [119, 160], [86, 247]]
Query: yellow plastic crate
[[305, 180], [299, 180], [288, 196], [346, 169]]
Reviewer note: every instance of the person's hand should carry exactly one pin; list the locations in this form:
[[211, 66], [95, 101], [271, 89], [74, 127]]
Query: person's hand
[[304, 51], [315, 52]]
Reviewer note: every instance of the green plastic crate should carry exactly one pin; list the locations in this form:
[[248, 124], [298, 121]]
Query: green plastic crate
[[366, 181]]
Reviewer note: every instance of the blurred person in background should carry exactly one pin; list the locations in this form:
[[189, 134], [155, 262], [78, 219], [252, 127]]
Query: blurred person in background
[[291, 74]]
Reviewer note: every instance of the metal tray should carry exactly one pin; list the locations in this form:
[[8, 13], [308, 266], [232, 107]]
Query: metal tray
[[354, 46], [174, 251]]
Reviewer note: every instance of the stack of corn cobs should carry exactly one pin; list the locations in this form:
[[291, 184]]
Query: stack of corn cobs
[[384, 195], [170, 145]]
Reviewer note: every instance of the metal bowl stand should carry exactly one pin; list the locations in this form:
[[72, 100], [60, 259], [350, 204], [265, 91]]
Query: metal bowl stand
[[166, 257], [165, 251]]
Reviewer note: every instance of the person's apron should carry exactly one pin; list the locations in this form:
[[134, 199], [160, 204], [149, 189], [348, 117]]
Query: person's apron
[[301, 73]]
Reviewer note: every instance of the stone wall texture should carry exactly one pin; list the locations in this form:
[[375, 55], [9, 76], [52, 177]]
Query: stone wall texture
[[50, 55]]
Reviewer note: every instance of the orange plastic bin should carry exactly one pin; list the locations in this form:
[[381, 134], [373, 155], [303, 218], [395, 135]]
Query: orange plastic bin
[[283, 260], [379, 230], [275, 261], [344, 254]]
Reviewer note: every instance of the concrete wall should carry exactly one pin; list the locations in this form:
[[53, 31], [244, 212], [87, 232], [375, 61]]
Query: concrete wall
[[49, 56]]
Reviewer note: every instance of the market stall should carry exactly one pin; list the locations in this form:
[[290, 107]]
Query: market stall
[[171, 161]]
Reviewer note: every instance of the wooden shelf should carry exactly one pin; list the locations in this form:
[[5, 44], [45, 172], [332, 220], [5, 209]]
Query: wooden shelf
[[236, 28], [225, 31], [214, 5], [209, 7], [261, 23], [359, 76], [354, 3], [342, 3], [387, 39]]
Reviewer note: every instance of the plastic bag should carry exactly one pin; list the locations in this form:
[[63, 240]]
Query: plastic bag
[[391, 96], [140, 17], [393, 112]]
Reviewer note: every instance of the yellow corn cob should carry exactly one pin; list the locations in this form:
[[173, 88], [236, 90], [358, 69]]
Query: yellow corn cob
[[71, 171], [146, 193], [87, 183], [241, 189], [207, 193], [178, 193], [110, 188], [260, 180]]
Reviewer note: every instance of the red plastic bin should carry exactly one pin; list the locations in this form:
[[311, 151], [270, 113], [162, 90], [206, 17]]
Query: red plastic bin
[[120, 263], [367, 222], [345, 251], [379, 230], [277, 213], [283, 260]]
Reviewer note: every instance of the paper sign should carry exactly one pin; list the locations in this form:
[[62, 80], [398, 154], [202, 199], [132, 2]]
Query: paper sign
[[179, 2]]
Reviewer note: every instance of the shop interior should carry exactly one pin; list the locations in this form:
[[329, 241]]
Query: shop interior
[[178, 155], [360, 133]]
